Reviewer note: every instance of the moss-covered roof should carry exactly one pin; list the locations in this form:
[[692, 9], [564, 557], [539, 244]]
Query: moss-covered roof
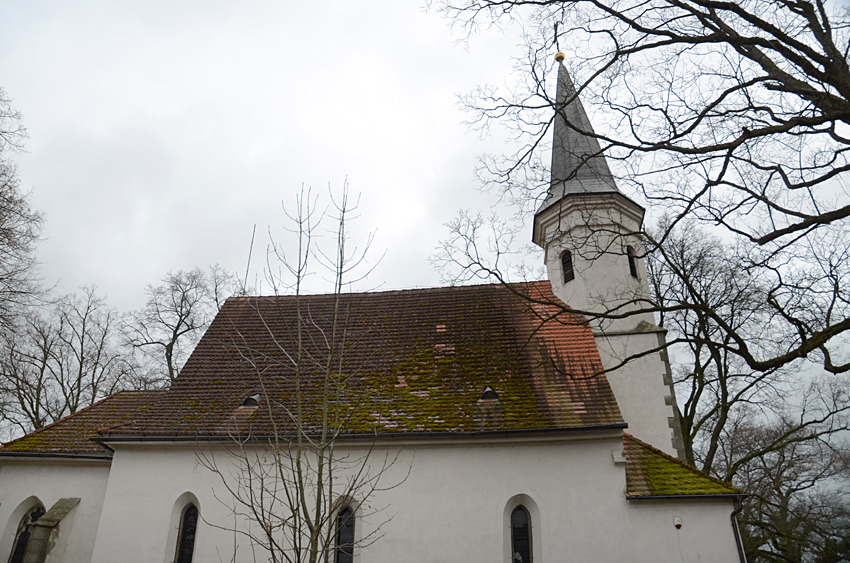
[[409, 361], [652, 473], [72, 434]]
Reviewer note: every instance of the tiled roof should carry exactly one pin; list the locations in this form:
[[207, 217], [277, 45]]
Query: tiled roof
[[652, 473], [71, 435], [406, 362]]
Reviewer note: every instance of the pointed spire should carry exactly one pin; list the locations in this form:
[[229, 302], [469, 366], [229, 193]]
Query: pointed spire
[[578, 165]]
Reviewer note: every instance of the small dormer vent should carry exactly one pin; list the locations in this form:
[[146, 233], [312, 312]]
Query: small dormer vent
[[488, 395], [237, 422], [252, 401], [488, 411]]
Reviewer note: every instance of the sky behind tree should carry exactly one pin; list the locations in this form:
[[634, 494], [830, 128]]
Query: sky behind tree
[[160, 133]]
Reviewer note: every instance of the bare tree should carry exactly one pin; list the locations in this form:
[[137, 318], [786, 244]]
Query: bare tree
[[776, 434], [797, 477], [20, 225], [733, 114], [27, 391], [224, 284], [294, 483], [693, 266], [60, 359], [176, 314]]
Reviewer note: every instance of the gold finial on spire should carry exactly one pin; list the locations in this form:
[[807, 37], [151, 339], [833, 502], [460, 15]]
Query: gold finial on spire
[[559, 56]]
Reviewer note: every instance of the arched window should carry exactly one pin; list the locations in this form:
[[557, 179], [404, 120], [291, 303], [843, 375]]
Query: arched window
[[567, 266], [345, 536], [520, 535], [22, 537], [186, 539], [630, 253]]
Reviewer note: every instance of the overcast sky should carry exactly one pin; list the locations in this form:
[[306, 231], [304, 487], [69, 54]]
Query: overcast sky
[[162, 132]]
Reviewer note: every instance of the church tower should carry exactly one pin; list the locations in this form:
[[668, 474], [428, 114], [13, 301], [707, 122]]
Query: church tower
[[591, 236]]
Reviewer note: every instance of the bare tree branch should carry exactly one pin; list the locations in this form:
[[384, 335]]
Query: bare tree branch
[[291, 486]]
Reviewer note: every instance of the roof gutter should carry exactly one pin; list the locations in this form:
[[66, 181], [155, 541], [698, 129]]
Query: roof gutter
[[735, 497], [92, 457], [361, 436]]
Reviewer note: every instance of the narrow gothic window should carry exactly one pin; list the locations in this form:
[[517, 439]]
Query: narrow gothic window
[[567, 266], [22, 537], [345, 536], [186, 539], [630, 252], [520, 535]]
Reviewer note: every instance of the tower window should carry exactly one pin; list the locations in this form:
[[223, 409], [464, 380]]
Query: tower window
[[345, 536], [630, 253], [186, 539], [567, 266], [520, 535]]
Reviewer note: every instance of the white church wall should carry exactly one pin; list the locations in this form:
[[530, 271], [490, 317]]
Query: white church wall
[[452, 506], [22, 481], [652, 525], [597, 230], [642, 387], [137, 520]]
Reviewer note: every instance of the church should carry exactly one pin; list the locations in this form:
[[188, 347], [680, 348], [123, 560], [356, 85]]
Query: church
[[457, 424]]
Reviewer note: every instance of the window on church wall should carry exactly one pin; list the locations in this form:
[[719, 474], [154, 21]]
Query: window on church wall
[[520, 535], [567, 266], [345, 536], [186, 538], [22, 536], [630, 253]]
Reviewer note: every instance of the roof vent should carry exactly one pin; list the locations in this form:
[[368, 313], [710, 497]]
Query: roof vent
[[488, 410], [237, 423], [252, 401], [488, 395]]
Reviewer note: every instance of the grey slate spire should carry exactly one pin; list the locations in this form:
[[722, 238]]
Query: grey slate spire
[[578, 165]]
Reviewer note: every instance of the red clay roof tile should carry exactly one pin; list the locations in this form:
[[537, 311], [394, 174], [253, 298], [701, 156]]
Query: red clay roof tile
[[72, 434], [406, 361]]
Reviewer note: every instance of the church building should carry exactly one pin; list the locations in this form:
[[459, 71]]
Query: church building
[[484, 423]]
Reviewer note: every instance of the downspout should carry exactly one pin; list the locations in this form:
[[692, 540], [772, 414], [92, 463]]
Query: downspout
[[739, 506]]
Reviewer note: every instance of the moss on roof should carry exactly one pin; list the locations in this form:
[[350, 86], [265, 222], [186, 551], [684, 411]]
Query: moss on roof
[[411, 361], [653, 473], [72, 434]]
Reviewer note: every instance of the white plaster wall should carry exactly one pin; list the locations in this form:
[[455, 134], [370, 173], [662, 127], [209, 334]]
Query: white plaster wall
[[451, 508], [602, 284], [50, 480], [144, 485], [596, 231], [651, 523], [644, 397]]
